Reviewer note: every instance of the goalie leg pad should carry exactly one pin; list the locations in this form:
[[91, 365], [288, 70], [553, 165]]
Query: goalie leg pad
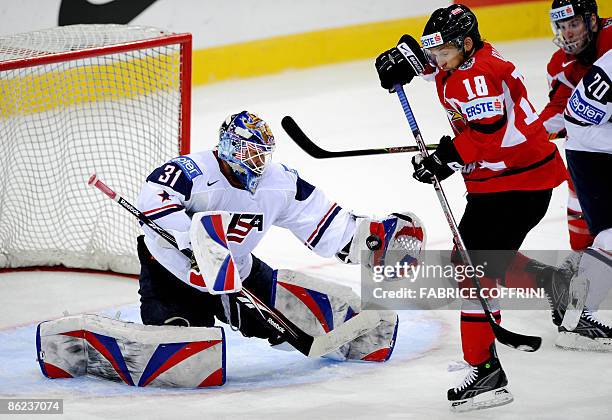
[[137, 355], [313, 304], [377, 344], [317, 306]]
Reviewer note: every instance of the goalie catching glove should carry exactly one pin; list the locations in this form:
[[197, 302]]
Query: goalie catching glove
[[402, 233]]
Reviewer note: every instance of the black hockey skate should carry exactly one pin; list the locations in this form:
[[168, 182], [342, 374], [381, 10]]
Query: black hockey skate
[[483, 387], [591, 334], [566, 292]]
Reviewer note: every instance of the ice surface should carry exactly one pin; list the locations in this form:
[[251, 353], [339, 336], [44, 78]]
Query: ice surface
[[340, 106]]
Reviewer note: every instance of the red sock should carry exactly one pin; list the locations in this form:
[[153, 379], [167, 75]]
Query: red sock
[[477, 336]]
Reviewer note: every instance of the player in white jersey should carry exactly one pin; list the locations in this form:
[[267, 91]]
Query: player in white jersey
[[240, 178], [588, 121]]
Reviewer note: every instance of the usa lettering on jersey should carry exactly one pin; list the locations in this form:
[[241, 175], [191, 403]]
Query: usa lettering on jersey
[[242, 224]]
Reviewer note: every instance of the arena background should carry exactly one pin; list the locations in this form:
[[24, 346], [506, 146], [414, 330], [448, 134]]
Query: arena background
[[244, 38]]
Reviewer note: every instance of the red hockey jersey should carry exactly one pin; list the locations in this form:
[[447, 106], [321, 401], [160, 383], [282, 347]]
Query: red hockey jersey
[[564, 72], [497, 132]]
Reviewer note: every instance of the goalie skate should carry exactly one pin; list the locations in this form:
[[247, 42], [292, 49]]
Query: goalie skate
[[485, 386]]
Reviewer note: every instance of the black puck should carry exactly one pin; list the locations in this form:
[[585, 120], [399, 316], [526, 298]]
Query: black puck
[[373, 242]]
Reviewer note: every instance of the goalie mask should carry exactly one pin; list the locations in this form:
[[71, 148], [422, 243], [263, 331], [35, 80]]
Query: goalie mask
[[246, 144], [573, 24]]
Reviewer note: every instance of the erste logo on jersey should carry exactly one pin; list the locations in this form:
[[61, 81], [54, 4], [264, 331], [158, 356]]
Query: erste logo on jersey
[[486, 107], [189, 167], [242, 224], [433, 40], [585, 110], [561, 13]]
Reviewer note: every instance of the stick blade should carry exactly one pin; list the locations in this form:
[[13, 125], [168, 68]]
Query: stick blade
[[344, 333], [528, 343], [301, 139]]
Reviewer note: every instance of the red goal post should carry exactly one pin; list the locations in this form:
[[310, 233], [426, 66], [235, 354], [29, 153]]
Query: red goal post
[[113, 99]]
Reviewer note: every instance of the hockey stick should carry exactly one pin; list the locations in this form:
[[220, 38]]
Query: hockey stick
[[306, 144], [518, 341], [303, 141], [274, 320]]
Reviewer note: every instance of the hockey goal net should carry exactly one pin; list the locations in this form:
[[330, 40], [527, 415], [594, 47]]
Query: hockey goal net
[[112, 99]]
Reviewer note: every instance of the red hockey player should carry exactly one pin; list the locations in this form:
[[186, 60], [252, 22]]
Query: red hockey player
[[508, 165], [582, 37]]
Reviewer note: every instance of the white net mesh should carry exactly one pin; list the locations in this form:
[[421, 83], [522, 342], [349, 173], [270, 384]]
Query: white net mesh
[[118, 114]]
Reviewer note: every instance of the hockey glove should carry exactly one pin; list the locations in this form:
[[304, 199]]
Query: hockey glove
[[441, 163], [400, 64]]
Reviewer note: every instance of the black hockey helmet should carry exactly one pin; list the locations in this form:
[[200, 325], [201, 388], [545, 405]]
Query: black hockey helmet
[[451, 24], [561, 11], [580, 7]]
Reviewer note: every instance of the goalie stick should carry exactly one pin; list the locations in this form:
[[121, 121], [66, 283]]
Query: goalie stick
[[509, 338], [306, 144], [274, 320]]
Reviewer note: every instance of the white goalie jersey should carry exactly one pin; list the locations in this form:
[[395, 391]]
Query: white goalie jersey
[[588, 115], [194, 183]]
